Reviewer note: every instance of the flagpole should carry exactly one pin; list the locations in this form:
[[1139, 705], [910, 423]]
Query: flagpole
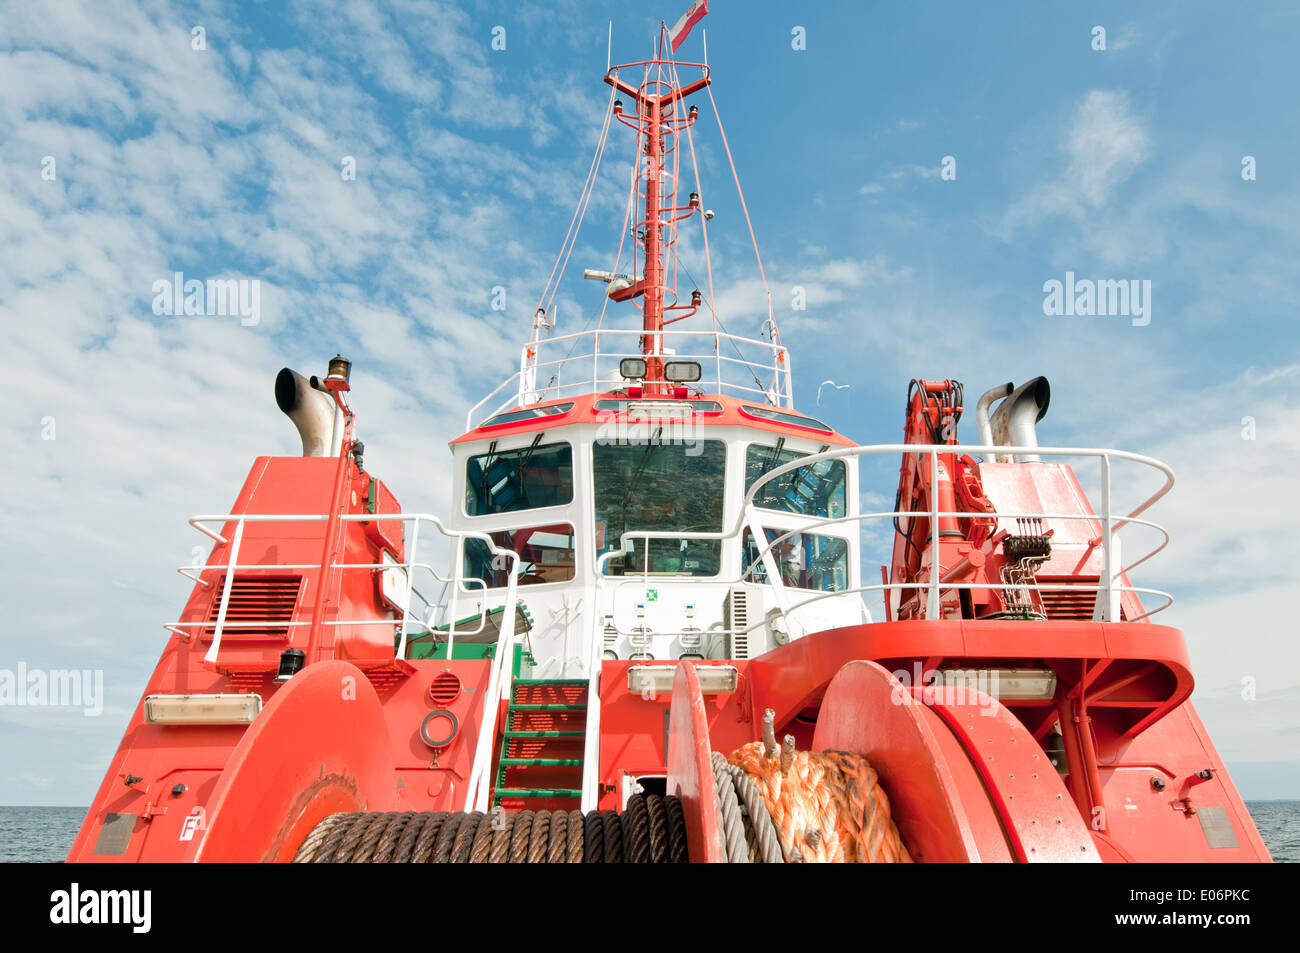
[[704, 35], [609, 47]]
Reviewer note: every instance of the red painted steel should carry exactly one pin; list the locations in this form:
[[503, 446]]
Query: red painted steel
[[1032, 803], [320, 746], [585, 412], [690, 770], [937, 800]]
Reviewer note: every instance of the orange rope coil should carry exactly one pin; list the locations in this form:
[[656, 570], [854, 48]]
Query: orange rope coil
[[828, 806]]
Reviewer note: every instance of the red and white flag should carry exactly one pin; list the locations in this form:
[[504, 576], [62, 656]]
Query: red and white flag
[[683, 26]]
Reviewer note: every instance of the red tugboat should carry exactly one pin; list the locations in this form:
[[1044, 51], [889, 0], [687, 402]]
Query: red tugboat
[[650, 575]]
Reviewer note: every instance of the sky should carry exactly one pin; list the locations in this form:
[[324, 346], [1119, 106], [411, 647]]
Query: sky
[[915, 173]]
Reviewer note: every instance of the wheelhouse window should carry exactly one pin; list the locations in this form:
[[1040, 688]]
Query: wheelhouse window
[[525, 478], [545, 555], [805, 561], [528, 413], [815, 490], [662, 486]]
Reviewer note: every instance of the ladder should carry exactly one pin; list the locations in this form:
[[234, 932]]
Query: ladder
[[541, 756]]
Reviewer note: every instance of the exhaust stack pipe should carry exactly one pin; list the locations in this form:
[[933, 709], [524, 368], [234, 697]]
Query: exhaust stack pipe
[[982, 410], [312, 411], [1014, 423]]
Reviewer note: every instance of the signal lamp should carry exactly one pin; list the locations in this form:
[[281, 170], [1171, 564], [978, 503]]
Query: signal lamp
[[340, 369]]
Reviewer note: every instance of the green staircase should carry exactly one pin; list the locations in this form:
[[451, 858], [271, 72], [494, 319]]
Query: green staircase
[[539, 765]]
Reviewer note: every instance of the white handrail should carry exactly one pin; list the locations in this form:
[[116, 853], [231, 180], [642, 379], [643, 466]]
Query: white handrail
[[479, 787], [1108, 587], [774, 360]]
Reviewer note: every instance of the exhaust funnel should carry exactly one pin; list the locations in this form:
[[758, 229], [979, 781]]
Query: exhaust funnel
[[1014, 423], [310, 409]]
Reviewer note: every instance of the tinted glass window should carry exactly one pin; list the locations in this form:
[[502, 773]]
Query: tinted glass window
[[521, 479], [815, 490], [528, 413], [655, 485], [545, 555], [806, 561], [767, 413]]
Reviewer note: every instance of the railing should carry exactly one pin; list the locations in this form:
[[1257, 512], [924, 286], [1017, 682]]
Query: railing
[[480, 775], [790, 600], [741, 367]]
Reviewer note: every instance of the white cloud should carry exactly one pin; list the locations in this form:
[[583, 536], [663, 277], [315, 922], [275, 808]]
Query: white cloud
[[1101, 145]]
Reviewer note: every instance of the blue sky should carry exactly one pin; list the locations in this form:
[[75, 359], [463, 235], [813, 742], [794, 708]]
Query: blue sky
[[224, 162]]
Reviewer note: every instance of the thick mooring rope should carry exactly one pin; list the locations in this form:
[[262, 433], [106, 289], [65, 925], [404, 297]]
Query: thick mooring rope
[[826, 807], [652, 829]]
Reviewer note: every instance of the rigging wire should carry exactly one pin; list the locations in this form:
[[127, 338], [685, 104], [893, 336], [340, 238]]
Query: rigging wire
[[776, 334], [575, 224]]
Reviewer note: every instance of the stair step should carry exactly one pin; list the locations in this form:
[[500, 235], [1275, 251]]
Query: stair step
[[545, 706], [541, 762], [537, 792], [512, 733], [550, 681]]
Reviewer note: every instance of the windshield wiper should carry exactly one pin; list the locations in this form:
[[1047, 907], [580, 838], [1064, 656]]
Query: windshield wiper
[[645, 458]]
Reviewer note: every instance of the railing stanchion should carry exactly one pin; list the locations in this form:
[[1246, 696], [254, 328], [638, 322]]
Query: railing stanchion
[[932, 599], [1110, 605], [231, 561]]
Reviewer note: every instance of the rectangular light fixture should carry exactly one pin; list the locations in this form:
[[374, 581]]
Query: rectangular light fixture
[[659, 411], [1004, 684], [201, 709], [714, 679]]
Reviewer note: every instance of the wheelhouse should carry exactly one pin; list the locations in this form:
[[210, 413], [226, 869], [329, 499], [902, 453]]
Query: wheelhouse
[[569, 485]]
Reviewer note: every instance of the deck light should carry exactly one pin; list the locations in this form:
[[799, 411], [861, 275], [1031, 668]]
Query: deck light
[[714, 679], [1004, 684], [682, 372], [201, 709], [632, 368]]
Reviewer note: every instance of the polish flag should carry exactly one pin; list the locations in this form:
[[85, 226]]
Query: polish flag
[[683, 26]]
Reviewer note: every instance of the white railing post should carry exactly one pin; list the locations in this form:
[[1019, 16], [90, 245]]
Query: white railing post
[[410, 582], [1110, 596], [231, 561], [717, 359], [932, 599], [591, 740], [480, 788]]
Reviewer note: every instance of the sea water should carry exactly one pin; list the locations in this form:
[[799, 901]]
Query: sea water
[[43, 834]]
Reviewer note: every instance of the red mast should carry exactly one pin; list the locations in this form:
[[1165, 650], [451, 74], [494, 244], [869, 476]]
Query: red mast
[[656, 118]]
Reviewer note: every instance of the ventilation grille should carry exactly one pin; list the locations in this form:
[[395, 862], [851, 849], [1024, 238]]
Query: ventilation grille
[[735, 610], [1069, 606], [444, 690], [1066, 606], [268, 601]]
